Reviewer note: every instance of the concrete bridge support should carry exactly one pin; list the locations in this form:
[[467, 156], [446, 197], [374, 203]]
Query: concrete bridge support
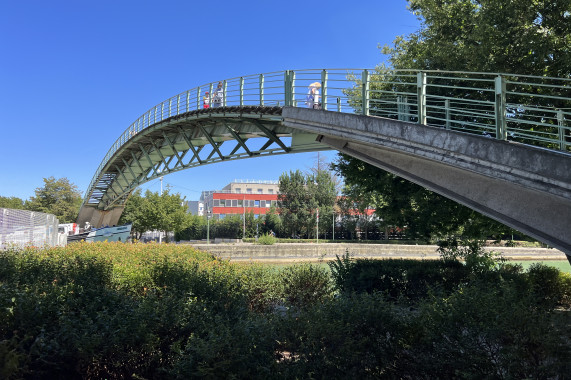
[[98, 218], [523, 187]]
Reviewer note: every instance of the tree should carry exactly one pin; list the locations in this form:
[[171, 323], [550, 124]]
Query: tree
[[273, 222], [528, 37], [525, 37], [133, 213], [11, 202], [162, 212], [301, 196], [58, 197], [400, 203]]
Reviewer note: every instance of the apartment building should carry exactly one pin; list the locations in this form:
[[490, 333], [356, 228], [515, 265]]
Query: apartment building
[[241, 197]]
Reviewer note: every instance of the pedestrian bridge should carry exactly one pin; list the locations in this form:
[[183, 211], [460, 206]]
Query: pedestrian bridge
[[498, 143]]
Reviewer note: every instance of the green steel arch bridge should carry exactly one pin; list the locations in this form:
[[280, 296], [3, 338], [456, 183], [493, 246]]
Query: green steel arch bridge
[[498, 143]]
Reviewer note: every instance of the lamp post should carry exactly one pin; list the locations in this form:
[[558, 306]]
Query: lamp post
[[317, 228], [208, 216]]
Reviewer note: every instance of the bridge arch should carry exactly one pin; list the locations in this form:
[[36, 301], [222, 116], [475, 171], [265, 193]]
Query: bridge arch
[[259, 115]]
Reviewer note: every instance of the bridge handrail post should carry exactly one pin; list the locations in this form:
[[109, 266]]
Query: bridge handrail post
[[421, 96], [287, 89], [561, 127], [289, 79], [447, 113], [210, 94], [170, 106], [198, 98], [178, 104], [224, 92], [261, 87], [188, 101], [365, 92], [241, 91], [162, 110], [292, 81], [338, 104], [324, 78], [500, 107]]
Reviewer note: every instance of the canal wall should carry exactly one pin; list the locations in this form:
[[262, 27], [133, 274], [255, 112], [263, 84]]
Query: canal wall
[[328, 251]]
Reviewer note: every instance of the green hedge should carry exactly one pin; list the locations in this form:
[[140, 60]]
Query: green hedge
[[113, 311]]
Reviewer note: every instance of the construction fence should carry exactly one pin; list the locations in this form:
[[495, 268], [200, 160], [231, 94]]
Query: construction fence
[[20, 228]]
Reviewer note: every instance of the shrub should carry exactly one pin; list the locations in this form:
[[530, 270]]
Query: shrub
[[411, 279], [472, 252], [305, 285], [267, 239], [550, 286]]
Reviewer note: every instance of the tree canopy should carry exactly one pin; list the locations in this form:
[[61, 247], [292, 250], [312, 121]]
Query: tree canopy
[[162, 212], [58, 197], [502, 36], [530, 37], [301, 196]]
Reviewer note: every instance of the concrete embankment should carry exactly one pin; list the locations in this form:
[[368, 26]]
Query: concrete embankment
[[328, 251]]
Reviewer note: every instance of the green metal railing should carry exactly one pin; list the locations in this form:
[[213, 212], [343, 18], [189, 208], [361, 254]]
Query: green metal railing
[[531, 110]]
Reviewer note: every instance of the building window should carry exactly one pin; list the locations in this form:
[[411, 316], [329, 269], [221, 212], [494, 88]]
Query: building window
[[238, 190], [222, 216], [256, 203], [260, 191], [270, 191], [216, 203], [222, 202], [249, 191], [240, 203], [234, 203]]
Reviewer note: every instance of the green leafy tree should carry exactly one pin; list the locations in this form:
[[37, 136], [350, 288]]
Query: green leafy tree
[[134, 213], [400, 203], [162, 212], [58, 197], [273, 222], [503, 36], [301, 196], [11, 202], [528, 37]]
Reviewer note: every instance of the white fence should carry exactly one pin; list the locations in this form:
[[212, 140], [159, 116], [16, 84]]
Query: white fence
[[21, 227]]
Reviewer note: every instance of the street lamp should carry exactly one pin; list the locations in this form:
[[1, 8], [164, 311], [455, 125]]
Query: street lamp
[[317, 227], [208, 216]]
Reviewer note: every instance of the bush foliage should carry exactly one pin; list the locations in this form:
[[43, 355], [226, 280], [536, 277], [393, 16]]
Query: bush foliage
[[108, 310]]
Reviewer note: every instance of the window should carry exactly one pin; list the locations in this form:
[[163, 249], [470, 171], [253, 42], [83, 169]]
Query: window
[[222, 202], [274, 203], [238, 190], [222, 216], [256, 203], [234, 203], [249, 191], [260, 191], [270, 191], [240, 203], [216, 203]]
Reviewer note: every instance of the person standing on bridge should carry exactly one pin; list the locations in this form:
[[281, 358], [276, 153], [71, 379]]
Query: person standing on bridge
[[206, 100], [312, 99], [218, 96]]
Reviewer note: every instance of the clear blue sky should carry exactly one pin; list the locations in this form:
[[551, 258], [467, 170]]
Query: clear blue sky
[[74, 74]]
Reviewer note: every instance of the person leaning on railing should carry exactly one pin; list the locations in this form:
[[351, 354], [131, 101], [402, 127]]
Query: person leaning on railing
[[312, 100]]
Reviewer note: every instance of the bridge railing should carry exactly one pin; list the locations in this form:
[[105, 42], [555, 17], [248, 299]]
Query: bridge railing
[[529, 109]]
